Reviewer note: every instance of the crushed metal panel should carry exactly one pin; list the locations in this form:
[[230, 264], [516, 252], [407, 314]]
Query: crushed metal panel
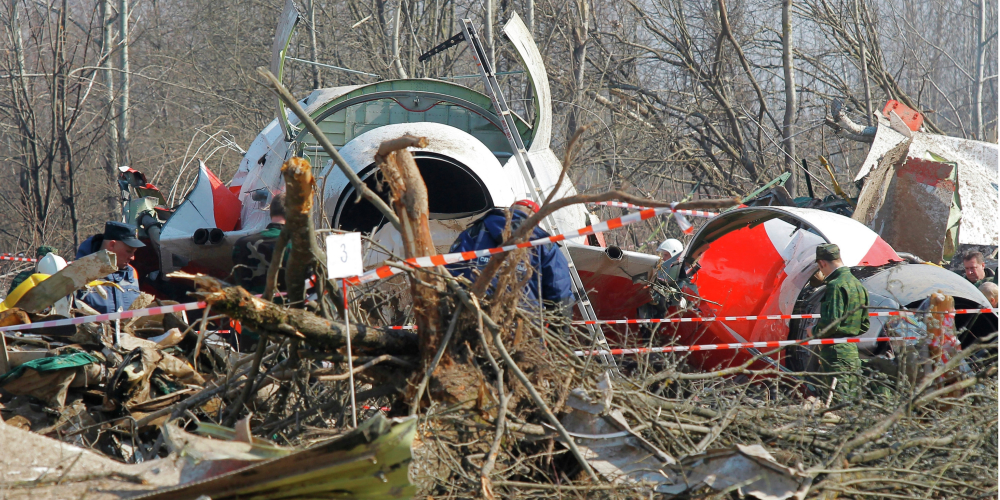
[[908, 283], [616, 287], [978, 178], [885, 139], [370, 462], [282, 36], [520, 37], [609, 445], [872, 195], [918, 191], [203, 457], [750, 469]]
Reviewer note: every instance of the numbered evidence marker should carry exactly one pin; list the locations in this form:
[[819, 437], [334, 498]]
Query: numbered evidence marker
[[343, 255]]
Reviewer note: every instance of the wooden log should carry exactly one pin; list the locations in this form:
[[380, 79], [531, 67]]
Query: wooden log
[[409, 200], [266, 317], [456, 378], [299, 184]]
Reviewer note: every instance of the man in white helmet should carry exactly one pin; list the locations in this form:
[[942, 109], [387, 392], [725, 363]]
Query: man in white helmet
[[664, 289], [669, 248]]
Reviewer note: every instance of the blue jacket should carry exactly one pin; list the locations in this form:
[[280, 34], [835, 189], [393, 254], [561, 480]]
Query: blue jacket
[[127, 279], [487, 232]]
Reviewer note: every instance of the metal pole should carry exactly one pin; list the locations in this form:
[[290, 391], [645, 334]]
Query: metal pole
[[350, 358], [117, 340]]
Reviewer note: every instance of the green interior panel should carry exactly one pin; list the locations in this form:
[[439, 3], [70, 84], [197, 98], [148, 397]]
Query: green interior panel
[[409, 101]]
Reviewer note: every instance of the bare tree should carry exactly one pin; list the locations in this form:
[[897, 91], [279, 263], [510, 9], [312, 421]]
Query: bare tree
[[788, 63]]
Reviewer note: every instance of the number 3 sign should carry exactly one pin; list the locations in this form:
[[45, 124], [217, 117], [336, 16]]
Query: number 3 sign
[[343, 255]]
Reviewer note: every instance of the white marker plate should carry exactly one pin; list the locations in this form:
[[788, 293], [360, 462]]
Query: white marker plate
[[343, 255]]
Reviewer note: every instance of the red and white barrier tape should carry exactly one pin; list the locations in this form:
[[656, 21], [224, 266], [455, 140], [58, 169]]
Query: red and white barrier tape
[[756, 318], [15, 258], [731, 318], [619, 204], [452, 258], [679, 215], [137, 313], [741, 345]]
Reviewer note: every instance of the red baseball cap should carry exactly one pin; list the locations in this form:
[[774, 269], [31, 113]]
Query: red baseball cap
[[528, 203]]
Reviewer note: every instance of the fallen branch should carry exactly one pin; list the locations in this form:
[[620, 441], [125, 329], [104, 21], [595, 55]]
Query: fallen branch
[[266, 317]]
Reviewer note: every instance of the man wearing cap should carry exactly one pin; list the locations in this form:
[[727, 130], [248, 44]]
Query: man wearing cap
[[844, 313], [118, 238], [487, 232]]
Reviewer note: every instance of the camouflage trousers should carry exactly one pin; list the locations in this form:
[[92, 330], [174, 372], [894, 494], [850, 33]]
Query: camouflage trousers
[[841, 358]]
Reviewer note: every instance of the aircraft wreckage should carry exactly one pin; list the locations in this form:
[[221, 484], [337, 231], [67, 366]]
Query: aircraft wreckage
[[748, 261]]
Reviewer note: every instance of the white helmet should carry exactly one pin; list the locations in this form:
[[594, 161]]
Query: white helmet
[[50, 264], [672, 246]]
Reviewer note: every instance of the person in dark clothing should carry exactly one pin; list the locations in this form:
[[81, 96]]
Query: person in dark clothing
[[252, 253], [487, 232], [118, 238]]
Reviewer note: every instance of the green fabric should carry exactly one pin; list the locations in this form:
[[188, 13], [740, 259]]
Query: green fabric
[[44, 250], [163, 383], [841, 358], [987, 279], [51, 364], [845, 298]]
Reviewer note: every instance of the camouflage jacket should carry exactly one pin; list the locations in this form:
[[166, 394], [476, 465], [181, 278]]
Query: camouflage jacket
[[845, 296], [252, 256]]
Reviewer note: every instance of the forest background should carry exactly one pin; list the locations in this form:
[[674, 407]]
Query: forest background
[[684, 98]]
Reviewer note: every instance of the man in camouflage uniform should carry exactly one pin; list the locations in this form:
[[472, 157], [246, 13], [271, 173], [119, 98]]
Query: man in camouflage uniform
[[844, 313], [252, 253]]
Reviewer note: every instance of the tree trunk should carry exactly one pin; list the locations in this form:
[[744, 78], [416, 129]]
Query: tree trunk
[[863, 52], [531, 17], [787, 60], [317, 80], [111, 121], [490, 45], [272, 319], [397, 21], [299, 184], [409, 200], [977, 93], [581, 29], [123, 110]]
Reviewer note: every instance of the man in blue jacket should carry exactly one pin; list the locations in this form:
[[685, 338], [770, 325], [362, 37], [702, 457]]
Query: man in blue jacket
[[119, 239], [487, 232]]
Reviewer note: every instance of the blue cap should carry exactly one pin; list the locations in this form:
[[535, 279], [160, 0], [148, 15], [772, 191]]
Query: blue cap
[[120, 231]]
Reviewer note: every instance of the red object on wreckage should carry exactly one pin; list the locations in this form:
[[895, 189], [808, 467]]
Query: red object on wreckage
[[756, 261]]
